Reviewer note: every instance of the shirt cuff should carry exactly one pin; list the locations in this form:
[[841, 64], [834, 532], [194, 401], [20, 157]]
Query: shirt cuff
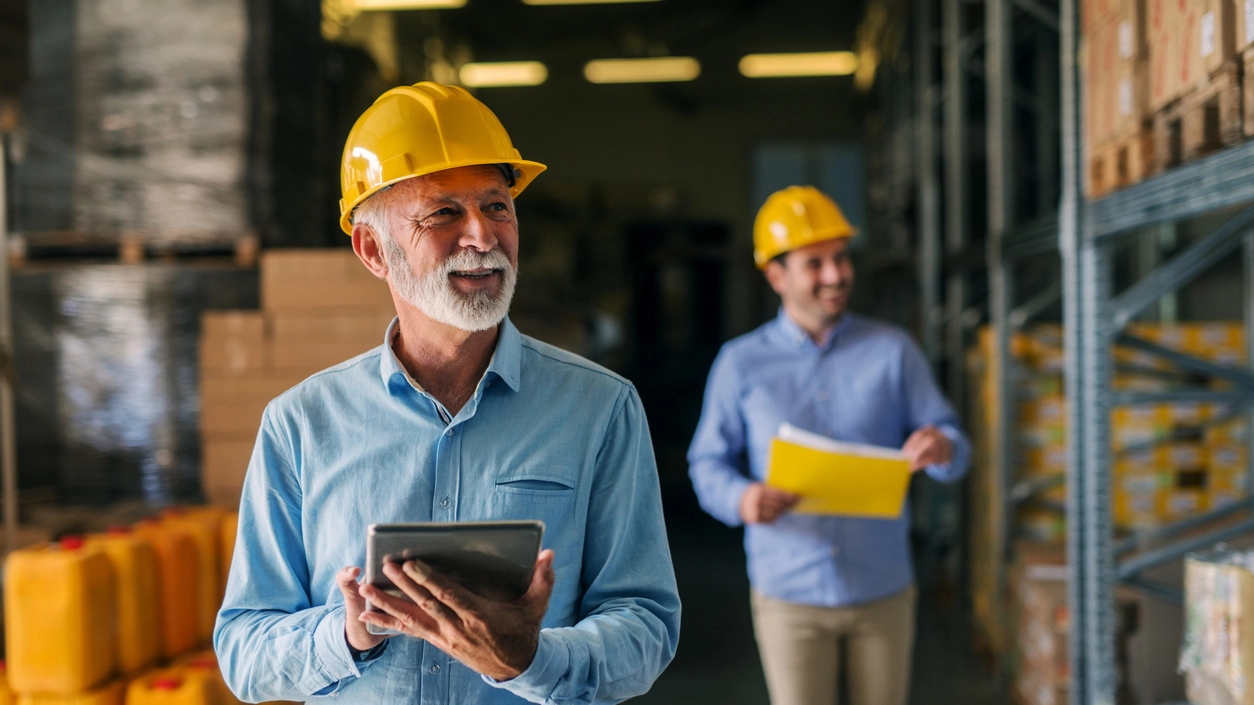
[[538, 682], [331, 649]]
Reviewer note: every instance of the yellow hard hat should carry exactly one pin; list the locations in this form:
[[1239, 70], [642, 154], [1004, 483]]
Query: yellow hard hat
[[420, 129], [795, 217]]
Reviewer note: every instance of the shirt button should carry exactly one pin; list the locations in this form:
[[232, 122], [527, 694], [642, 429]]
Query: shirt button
[[450, 433], [444, 503], [835, 551], [435, 668], [822, 395]]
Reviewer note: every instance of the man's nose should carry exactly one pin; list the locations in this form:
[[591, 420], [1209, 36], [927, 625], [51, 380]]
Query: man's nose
[[478, 233], [831, 274]]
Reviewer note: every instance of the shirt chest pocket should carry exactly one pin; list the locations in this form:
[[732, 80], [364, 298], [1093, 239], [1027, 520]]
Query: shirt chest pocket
[[537, 496]]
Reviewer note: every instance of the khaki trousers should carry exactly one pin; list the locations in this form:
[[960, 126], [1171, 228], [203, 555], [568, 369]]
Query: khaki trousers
[[800, 647]]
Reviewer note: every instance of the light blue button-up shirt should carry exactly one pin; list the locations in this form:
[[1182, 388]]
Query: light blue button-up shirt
[[547, 435], [869, 383]]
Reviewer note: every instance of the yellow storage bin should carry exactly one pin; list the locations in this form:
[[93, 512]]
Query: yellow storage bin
[[179, 574], [113, 693], [58, 606], [230, 524], [137, 590], [173, 686], [205, 526], [6, 696]]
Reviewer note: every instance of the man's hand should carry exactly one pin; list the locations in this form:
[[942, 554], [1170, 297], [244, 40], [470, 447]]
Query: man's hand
[[354, 604], [497, 639], [927, 446], [762, 505]]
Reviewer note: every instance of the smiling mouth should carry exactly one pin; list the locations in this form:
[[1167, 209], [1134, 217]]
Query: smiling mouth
[[475, 273]]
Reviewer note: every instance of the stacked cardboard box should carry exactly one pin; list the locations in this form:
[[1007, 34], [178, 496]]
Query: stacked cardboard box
[[1043, 627], [1218, 654], [318, 308], [1170, 460], [1117, 93]]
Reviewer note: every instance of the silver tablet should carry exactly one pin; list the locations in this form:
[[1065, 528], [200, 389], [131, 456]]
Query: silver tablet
[[493, 559]]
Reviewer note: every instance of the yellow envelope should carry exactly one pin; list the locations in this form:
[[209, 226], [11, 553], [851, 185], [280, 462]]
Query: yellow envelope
[[838, 478]]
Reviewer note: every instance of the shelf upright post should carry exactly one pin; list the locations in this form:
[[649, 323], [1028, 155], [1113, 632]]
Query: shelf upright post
[[1087, 326], [8, 424], [1249, 358], [999, 92], [955, 197], [929, 187], [1070, 228]]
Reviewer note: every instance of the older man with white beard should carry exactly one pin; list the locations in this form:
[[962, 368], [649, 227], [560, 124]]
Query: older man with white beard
[[456, 417]]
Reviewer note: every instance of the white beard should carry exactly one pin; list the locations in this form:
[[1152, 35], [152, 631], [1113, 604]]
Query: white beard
[[435, 296]]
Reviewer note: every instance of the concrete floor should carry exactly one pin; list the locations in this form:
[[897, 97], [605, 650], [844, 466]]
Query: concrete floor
[[718, 662]]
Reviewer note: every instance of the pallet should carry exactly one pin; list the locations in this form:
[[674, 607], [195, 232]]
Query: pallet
[[1203, 120], [127, 247], [1121, 162]]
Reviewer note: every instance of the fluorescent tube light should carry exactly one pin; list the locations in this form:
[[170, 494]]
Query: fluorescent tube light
[[826, 63], [580, 2], [407, 4], [670, 68], [503, 73]]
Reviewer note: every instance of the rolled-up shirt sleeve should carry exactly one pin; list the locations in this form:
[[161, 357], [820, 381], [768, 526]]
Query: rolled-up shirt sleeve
[[717, 452], [629, 614], [272, 641], [927, 406]]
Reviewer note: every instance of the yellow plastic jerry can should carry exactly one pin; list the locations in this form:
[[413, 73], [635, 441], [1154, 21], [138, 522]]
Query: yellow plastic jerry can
[[58, 606], [172, 686], [205, 526], [178, 568], [112, 693], [6, 696], [137, 591], [230, 524], [207, 662]]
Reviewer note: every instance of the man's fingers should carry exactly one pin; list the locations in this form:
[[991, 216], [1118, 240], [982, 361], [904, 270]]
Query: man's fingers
[[420, 594], [447, 592], [346, 579], [542, 578], [410, 615]]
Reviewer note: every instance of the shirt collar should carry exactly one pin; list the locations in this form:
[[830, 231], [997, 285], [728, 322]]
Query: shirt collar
[[506, 360], [794, 335]]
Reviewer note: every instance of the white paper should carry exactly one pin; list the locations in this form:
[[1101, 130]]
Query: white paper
[[792, 434], [1208, 34], [1249, 21], [1125, 39]]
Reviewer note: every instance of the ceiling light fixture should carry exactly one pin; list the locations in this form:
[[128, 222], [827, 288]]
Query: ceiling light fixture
[[503, 73], [581, 2], [407, 4], [825, 63], [670, 68]]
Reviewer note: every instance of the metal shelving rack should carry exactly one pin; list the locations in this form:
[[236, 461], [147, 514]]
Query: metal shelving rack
[[1093, 319]]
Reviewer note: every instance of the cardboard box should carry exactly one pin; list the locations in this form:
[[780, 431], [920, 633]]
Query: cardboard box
[[319, 279], [232, 342], [232, 408], [363, 326], [303, 359], [223, 466], [1244, 10], [1218, 653]]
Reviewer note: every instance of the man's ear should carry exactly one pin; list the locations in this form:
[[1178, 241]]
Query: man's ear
[[776, 271], [369, 250]]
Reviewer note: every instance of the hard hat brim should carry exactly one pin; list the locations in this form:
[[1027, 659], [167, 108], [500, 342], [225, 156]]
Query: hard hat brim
[[761, 259], [529, 171]]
